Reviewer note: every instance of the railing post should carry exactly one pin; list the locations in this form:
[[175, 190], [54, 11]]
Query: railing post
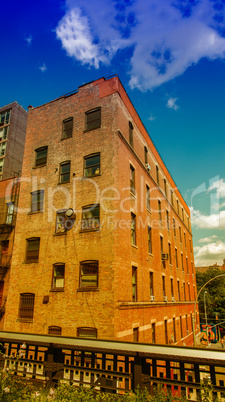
[[137, 380]]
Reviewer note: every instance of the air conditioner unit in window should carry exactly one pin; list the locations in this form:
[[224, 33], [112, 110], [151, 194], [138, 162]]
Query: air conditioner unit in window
[[165, 298], [164, 256], [152, 298], [173, 299], [148, 167]]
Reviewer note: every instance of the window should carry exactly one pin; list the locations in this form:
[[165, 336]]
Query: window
[[4, 254], [181, 328], [174, 227], [92, 165], [90, 218], [131, 134], [53, 330], [26, 308], [165, 187], [180, 234], [187, 266], [187, 324], [164, 286], [178, 207], [148, 197], [182, 262], [178, 289], [157, 174], [64, 172], [4, 118], [90, 333], [167, 220], [189, 291], [174, 330], [58, 276], [151, 284], [153, 333], [171, 284], [93, 119], [149, 240], [176, 258], [37, 201], [4, 133], [161, 244], [135, 334], [185, 240], [133, 229], [146, 154], [41, 156], [182, 211], [134, 283], [132, 179], [60, 221], [67, 129], [170, 254], [166, 332], [184, 291], [160, 210], [33, 245], [89, 274], [171, 194], [9, 213]]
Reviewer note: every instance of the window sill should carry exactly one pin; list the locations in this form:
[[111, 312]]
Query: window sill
[[25, 319], [31, 262], [87, 289], [34, 212], [64, 182], [40, 166], [151, 255], [149, 210], [133, 194], [134, 245], [94, 175], [66, 138], [60, 234], [91, 129], [89, 230], [57, 290]]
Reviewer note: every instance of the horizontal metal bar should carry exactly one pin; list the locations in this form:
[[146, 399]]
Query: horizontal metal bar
[[159, 352]]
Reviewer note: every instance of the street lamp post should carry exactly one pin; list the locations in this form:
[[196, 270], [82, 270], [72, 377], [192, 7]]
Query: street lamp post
[[206, 323]]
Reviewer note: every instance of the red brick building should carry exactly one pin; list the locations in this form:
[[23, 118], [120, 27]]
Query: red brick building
[[103, 243], [214, 266]]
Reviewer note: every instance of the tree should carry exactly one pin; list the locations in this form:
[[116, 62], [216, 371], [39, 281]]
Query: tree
[[215, 296]]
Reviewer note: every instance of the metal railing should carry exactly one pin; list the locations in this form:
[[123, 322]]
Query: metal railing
[[114, 366]]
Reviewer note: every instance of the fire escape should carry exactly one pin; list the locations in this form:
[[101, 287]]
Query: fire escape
[[7, 233]]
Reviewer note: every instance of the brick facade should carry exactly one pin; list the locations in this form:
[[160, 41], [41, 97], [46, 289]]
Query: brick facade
[[104, 278]]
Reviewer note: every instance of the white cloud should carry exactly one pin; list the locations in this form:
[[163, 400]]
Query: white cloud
[[210, 254], [212, 221], [219, 186], [208, 239], [165, 37], [171, 104], [29, 40], [43, 68]]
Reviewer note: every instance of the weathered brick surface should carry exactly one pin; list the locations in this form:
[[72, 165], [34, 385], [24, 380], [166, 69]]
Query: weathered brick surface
[[110, 308]]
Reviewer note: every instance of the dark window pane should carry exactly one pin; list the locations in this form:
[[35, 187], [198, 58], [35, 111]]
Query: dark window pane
[[87, 332], [68, 128], [55, 330], [65, 172], [37, 203], [26, 306], [33, 249], [41, 156], [93, 119]]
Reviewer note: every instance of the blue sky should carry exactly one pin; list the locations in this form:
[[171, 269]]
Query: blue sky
[[170, 57]]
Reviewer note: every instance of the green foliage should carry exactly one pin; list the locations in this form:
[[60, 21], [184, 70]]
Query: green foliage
[[215, 296]]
